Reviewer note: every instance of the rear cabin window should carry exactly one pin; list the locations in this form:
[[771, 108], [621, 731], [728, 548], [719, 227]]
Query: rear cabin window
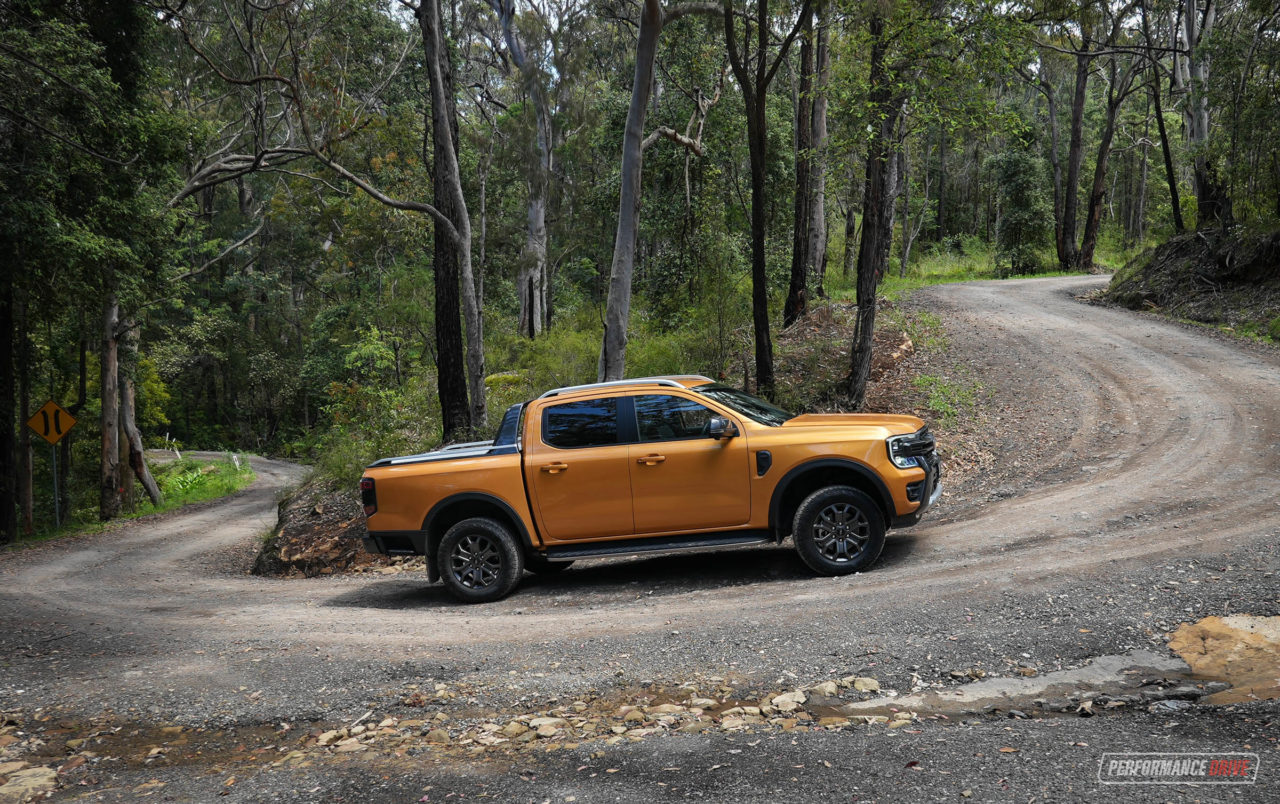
[[589, 423]]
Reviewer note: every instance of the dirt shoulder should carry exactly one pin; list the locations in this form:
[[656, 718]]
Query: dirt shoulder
[[1228, 281]]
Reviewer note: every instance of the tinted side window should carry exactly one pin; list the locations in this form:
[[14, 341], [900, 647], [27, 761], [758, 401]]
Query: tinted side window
[[666, 418], [590, 423]]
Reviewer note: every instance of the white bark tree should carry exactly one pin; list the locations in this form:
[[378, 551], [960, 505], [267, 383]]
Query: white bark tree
[[653, 18]]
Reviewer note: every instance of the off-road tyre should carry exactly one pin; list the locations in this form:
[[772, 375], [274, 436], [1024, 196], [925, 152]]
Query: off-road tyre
[[838, 530], [480, 560]]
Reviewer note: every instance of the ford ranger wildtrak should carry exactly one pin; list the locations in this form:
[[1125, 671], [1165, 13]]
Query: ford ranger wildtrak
[[650, 465]]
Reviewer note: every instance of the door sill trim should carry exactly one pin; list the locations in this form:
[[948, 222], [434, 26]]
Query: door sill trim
[[660, 544]]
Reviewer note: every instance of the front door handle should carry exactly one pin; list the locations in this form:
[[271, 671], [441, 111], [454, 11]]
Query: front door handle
[[650, 460], [555, 468]]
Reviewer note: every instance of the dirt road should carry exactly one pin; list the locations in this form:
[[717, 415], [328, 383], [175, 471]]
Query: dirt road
[[1143, 490]]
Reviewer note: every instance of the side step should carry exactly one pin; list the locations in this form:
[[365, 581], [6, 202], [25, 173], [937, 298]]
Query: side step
[[664, 544]]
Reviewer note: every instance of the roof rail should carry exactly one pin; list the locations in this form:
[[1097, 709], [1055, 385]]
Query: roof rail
[[666, 381]]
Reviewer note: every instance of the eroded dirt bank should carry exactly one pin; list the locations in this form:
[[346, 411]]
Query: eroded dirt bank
[[1136, 486]]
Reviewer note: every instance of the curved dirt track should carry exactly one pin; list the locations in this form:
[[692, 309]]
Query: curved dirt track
[[1172, 450]]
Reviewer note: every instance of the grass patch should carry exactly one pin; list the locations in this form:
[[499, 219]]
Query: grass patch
[[187, 481], [182, 482], [946, 398], [963, 259], [921, 326]]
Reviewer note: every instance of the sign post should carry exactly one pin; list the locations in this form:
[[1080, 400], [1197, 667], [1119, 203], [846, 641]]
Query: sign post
[[51, 423]]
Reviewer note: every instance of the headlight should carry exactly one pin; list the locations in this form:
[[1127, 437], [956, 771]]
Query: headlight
[[898, 447]]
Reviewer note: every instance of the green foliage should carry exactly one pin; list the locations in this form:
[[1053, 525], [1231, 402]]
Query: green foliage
[[182, 482], [1022, 225], [947, 398]]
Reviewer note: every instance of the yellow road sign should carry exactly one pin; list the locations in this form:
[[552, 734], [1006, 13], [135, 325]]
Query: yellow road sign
[[51, 422]]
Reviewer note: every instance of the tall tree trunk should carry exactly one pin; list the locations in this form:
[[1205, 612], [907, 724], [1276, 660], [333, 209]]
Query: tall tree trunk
[[109, 475], [8, 440], [759, 274], [126, 457], [754, 73], [942, 182], [26, 497], [613, 348], [1117, 90], [1213, 206], [448, 184], [1170, 174], [817, 251], [1068, 249], [1097, 193], [877, 217], [128, 413], [1054, 155], [1138, 228], [797, 291], [850, 236], [532, 276], [613, 351], [531, 279], [904, 181], [451, 377]]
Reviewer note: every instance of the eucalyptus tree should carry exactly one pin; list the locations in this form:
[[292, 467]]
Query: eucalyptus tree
[[531, 280], [299, 106], [917, 57], [802, 203], [1120, 68], [809, 226], [755, 62], [1198, 19], [654, 17], [1156, 78]]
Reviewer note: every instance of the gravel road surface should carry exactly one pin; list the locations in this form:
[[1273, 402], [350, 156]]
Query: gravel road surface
[[1140, 489]]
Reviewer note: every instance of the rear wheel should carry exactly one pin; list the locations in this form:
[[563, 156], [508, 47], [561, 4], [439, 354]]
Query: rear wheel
[[838, 530], [480, 560]]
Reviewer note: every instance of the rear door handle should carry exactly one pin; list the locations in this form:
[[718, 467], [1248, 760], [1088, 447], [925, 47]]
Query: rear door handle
[[555, 468], [650, 460]]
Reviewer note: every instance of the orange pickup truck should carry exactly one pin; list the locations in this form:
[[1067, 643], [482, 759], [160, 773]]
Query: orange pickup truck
[[650, 465]]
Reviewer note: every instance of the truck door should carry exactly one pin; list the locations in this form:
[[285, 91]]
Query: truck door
[[577, 471], [681, 477]]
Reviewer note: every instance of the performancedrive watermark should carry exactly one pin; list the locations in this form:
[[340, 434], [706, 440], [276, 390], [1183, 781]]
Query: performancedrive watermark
[[1217, 768]]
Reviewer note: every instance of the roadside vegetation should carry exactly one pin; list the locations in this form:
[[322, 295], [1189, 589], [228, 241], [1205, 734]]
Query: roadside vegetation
[[1229, 281], [183, 482]]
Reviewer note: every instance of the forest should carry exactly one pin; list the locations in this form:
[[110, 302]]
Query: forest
[[333, 230]]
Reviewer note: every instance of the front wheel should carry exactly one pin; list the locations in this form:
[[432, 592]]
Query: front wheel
[[838, 530], [480, 560]]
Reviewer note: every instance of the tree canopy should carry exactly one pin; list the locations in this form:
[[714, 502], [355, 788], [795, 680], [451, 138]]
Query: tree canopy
[[335, 229]]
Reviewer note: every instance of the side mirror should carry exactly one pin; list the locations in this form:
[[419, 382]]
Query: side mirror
[[719, 427]]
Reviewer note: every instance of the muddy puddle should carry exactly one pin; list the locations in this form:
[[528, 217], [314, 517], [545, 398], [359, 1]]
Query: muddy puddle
[[1240, 650], [138, 746]]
